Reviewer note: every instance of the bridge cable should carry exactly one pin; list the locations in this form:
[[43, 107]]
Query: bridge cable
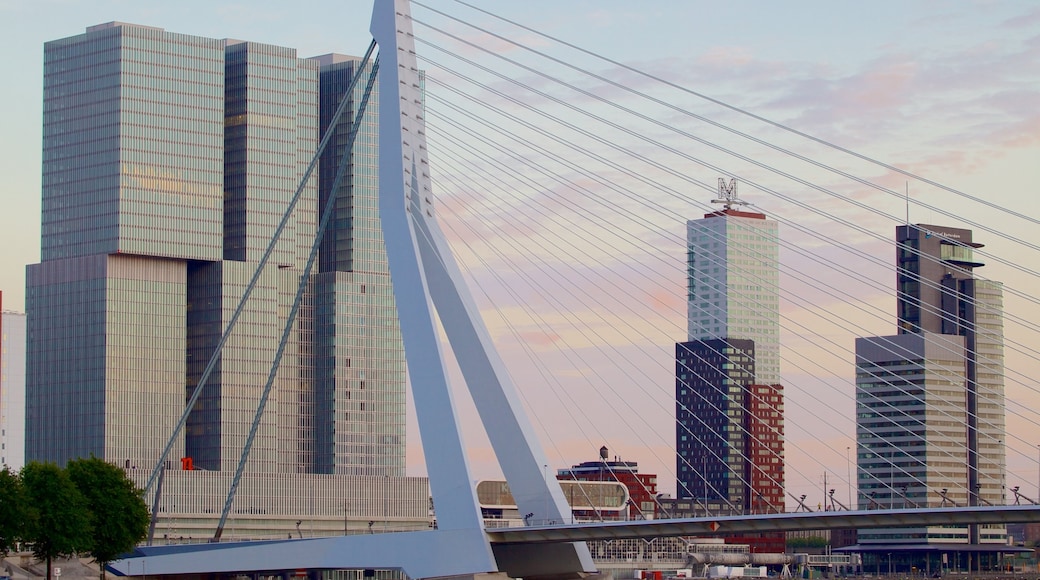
[[326, 216]]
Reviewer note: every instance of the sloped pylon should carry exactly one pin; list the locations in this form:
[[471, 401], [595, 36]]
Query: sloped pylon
[[425, 274], [428, 287]]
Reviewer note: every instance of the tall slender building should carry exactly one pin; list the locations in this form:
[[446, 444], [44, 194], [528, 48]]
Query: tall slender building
[[930, 399], [729, 402], [733, 281], [169, 161]]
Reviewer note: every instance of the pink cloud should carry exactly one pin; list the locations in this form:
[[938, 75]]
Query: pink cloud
[[726, 56], [1029, 20], [882, 87], [1025, 133], [539, 338]]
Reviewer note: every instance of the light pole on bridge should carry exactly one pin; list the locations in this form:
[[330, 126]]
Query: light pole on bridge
[[848, 473]]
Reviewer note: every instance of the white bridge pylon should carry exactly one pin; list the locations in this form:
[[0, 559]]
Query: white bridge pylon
[[427, 283]]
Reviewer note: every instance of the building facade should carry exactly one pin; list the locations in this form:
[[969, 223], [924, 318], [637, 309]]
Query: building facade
[[642, 498], [930, 399], [733, 284], [169, 161], [728, 437], [12, 389], [729, 401]]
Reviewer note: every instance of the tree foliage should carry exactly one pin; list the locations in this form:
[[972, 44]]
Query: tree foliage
[[61, 527], [89, 508], [117, 508], [15, 510]]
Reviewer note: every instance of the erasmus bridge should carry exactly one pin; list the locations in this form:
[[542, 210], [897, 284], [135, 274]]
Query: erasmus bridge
[[432, 295]]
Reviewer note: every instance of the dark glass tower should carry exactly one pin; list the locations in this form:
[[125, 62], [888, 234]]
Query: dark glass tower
[[729, 442], [713, 380]]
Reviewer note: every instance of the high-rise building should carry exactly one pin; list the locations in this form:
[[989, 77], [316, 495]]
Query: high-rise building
[[733, 281], [12, 389], [937, 292], [930, 400], [729, 430], [169, 160], [729, 401], [714, 377]]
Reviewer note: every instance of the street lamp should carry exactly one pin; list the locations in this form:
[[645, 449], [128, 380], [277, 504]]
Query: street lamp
[[545, 494], [890, 563], [848, 467]]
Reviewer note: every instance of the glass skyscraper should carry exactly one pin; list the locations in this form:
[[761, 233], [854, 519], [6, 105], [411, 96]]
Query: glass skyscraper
[[733, 284], [168, 163], [729, 401]]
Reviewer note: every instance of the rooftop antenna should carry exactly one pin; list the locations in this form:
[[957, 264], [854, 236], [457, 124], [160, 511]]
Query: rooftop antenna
[[907, 203], [728, 194]]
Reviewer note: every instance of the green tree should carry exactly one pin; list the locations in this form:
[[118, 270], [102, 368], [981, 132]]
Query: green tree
[[118, 512], [15, 510], [61, 527]]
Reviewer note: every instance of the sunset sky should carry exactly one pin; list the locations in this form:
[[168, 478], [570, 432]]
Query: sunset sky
[[947, 90]]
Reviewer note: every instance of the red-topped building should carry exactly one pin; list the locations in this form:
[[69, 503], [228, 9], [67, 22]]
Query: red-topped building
[[642, 487]]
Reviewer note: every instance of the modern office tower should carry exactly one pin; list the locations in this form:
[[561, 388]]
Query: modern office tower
[[729, 402], [733, 281], [938, 293], [930, 400], [12, 389], [168, 163], [910, 392], [360, 360]]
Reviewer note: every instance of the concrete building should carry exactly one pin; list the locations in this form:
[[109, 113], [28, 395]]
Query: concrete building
[[938, 293], [930, 403], [12, 389], [169, 160]]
